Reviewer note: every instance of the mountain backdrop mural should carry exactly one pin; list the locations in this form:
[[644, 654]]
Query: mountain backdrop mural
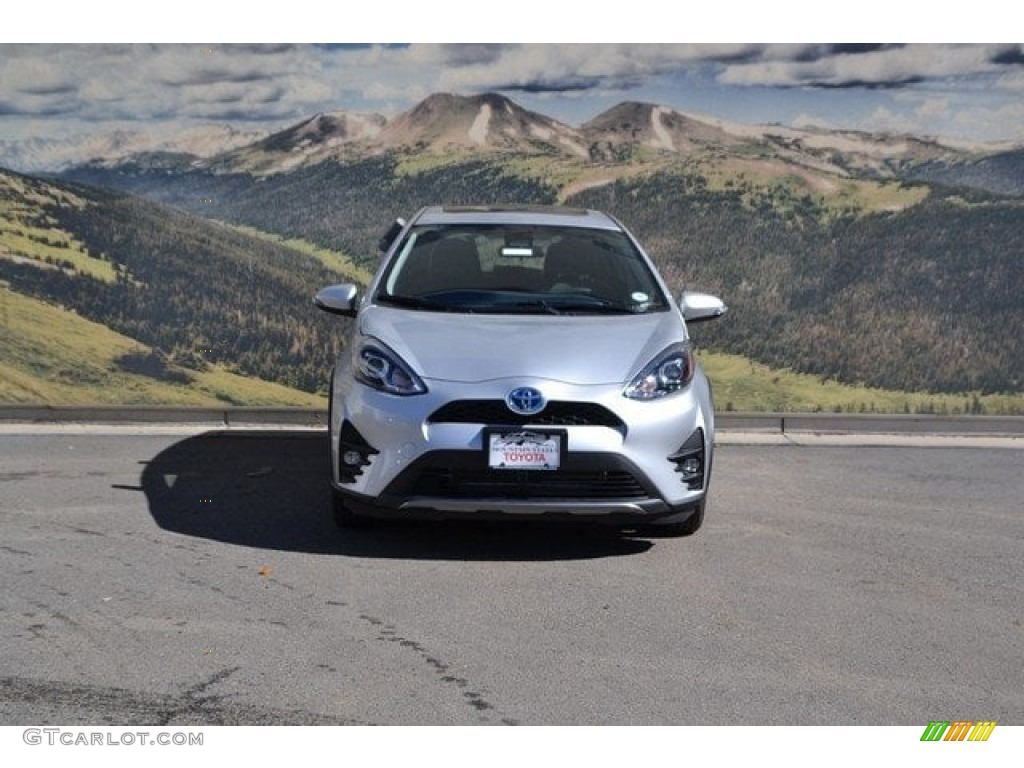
[[862, 270]]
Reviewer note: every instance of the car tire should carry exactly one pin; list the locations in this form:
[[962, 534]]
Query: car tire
[[344, 517]]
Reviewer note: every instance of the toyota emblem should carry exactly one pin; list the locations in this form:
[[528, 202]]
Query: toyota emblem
[[525, 401]]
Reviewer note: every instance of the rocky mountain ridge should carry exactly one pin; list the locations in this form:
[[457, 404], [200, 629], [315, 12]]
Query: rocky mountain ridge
[[446, 124]]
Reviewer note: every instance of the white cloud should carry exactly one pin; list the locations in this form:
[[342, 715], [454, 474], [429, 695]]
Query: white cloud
[[576, 66], [1013, 81], [810, 121], [931, 110], [90, 86], [1006, 121], [879, 67], [883, 120]]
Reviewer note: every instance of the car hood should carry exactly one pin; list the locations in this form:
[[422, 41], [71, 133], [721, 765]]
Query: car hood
[[576, 349]]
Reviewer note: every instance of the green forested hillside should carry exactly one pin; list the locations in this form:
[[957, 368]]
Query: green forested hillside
[[52, 355], [864, 282], [345, 207], [199, 295], [921, 299]]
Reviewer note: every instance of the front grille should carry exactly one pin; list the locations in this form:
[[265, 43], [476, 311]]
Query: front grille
[[522, 484], [583, 476], [557, 413]]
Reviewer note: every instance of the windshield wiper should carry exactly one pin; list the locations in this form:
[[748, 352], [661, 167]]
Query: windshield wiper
[[595, 304], [570, 305], [598, 309], [536, 304], [416, 302]]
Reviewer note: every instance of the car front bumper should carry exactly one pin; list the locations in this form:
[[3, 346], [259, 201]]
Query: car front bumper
[[617, 463]]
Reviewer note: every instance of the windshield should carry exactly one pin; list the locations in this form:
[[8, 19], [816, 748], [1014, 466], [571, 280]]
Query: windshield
[[520, 269]]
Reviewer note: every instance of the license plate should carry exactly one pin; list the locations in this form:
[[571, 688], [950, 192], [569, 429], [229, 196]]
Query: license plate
[[524, 449]]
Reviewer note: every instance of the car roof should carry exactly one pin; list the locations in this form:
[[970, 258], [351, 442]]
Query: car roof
[[537, 215]]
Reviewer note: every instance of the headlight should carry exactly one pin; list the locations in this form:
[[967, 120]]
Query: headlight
[[667, 373], [377, 366]]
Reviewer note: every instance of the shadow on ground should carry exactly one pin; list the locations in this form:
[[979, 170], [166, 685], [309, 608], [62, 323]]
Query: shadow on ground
[[270, 490]]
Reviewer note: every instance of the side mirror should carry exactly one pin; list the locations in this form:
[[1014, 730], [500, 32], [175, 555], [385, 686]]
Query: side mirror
[[337, 299], [698, 307], [388, 237]]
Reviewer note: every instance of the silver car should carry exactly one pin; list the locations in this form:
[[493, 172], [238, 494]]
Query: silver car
[[519, 361]]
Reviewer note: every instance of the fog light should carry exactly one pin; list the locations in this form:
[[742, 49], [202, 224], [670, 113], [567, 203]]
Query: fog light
[[353, 453], [689, 460]]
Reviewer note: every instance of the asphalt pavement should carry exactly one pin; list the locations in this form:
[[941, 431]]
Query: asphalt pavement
[[177, 574]]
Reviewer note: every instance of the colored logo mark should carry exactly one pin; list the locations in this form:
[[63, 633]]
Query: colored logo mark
[[958, 730]]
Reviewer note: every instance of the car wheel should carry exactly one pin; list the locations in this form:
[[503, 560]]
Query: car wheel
[[344, 517], [686, 527]]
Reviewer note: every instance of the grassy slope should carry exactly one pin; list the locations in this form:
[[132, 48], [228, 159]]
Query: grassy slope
[[51, 355], [27, 235], [333, 260], [771, 179], [743, 385]]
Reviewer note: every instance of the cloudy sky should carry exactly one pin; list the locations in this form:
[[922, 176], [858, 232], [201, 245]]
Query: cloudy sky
[[969, 91]]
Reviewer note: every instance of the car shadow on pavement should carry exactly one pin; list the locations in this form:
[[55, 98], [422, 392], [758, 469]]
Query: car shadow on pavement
[[270, 490]]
